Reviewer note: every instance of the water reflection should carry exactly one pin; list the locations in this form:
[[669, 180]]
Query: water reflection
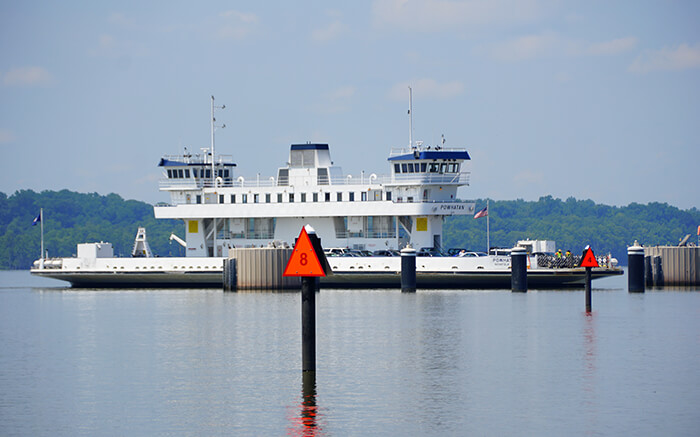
[[590, 354], [307, 422]]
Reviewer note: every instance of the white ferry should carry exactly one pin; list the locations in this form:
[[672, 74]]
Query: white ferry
[[368, 212]]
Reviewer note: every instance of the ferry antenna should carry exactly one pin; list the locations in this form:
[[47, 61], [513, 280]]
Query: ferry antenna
[[213, 153], [410, 118]]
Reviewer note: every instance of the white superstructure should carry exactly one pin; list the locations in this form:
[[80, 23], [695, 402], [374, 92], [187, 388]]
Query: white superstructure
[[367, 211]]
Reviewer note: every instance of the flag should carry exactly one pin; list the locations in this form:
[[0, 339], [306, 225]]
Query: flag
[[483, 213], [36, 220]]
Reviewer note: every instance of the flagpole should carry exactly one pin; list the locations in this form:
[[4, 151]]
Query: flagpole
[[488, 236], [41, 220]]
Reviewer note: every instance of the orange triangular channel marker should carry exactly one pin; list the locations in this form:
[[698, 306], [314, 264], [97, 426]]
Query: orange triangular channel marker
[[589, 259], [303, 261]]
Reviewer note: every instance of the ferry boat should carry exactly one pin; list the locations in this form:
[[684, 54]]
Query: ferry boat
[[368, 212]]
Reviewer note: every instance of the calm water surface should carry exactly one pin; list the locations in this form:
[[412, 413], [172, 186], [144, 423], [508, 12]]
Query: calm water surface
[[204, 362]]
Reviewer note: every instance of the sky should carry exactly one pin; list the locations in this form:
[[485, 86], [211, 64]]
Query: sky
[[588, 99]]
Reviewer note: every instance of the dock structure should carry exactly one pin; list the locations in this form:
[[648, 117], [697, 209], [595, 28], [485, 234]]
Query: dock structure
[[258, 269], [672, 265]]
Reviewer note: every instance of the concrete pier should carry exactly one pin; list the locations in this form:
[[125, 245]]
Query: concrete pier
[[259, 269], [673, 265]]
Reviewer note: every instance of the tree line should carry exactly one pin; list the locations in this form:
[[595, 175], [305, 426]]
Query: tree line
[[573, 224], [71, 218]]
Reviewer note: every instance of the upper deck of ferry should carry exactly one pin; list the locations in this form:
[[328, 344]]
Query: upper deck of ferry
[[310, 165]]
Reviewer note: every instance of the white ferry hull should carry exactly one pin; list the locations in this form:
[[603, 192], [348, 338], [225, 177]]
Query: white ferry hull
[[379, 272], [136, 280], [165, 272]]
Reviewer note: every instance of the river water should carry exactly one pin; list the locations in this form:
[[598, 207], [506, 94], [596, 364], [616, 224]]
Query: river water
[[457, 362]]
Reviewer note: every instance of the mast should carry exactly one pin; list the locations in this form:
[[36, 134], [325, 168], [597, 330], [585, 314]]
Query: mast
[[213, 152], [213, 169], [213, 165], [410, 118]]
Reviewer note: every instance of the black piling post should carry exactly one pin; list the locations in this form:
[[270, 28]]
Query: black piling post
[[308, 324], [635, 269], [518, 269], [658, 272], [408, 269], [648, 272], [588, 290], [230, 274]]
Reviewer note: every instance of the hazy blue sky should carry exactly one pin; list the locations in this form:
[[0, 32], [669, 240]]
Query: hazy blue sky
[[592, 99]]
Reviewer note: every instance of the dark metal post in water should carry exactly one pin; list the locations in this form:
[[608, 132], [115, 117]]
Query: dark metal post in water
[[658, 272], [648, 273], [308, 324], [230, 275], [518, 269], [635, 269], [408, 269], [588, 289]]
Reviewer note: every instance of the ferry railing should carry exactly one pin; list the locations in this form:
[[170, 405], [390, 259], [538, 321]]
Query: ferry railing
[[398, 151], [260, 235], [199, 159], [461, 178]]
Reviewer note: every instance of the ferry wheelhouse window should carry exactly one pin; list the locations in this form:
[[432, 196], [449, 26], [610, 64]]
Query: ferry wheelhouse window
[[256, 198], [423, 166], [363, 196], [404, 168], [187, 173]]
